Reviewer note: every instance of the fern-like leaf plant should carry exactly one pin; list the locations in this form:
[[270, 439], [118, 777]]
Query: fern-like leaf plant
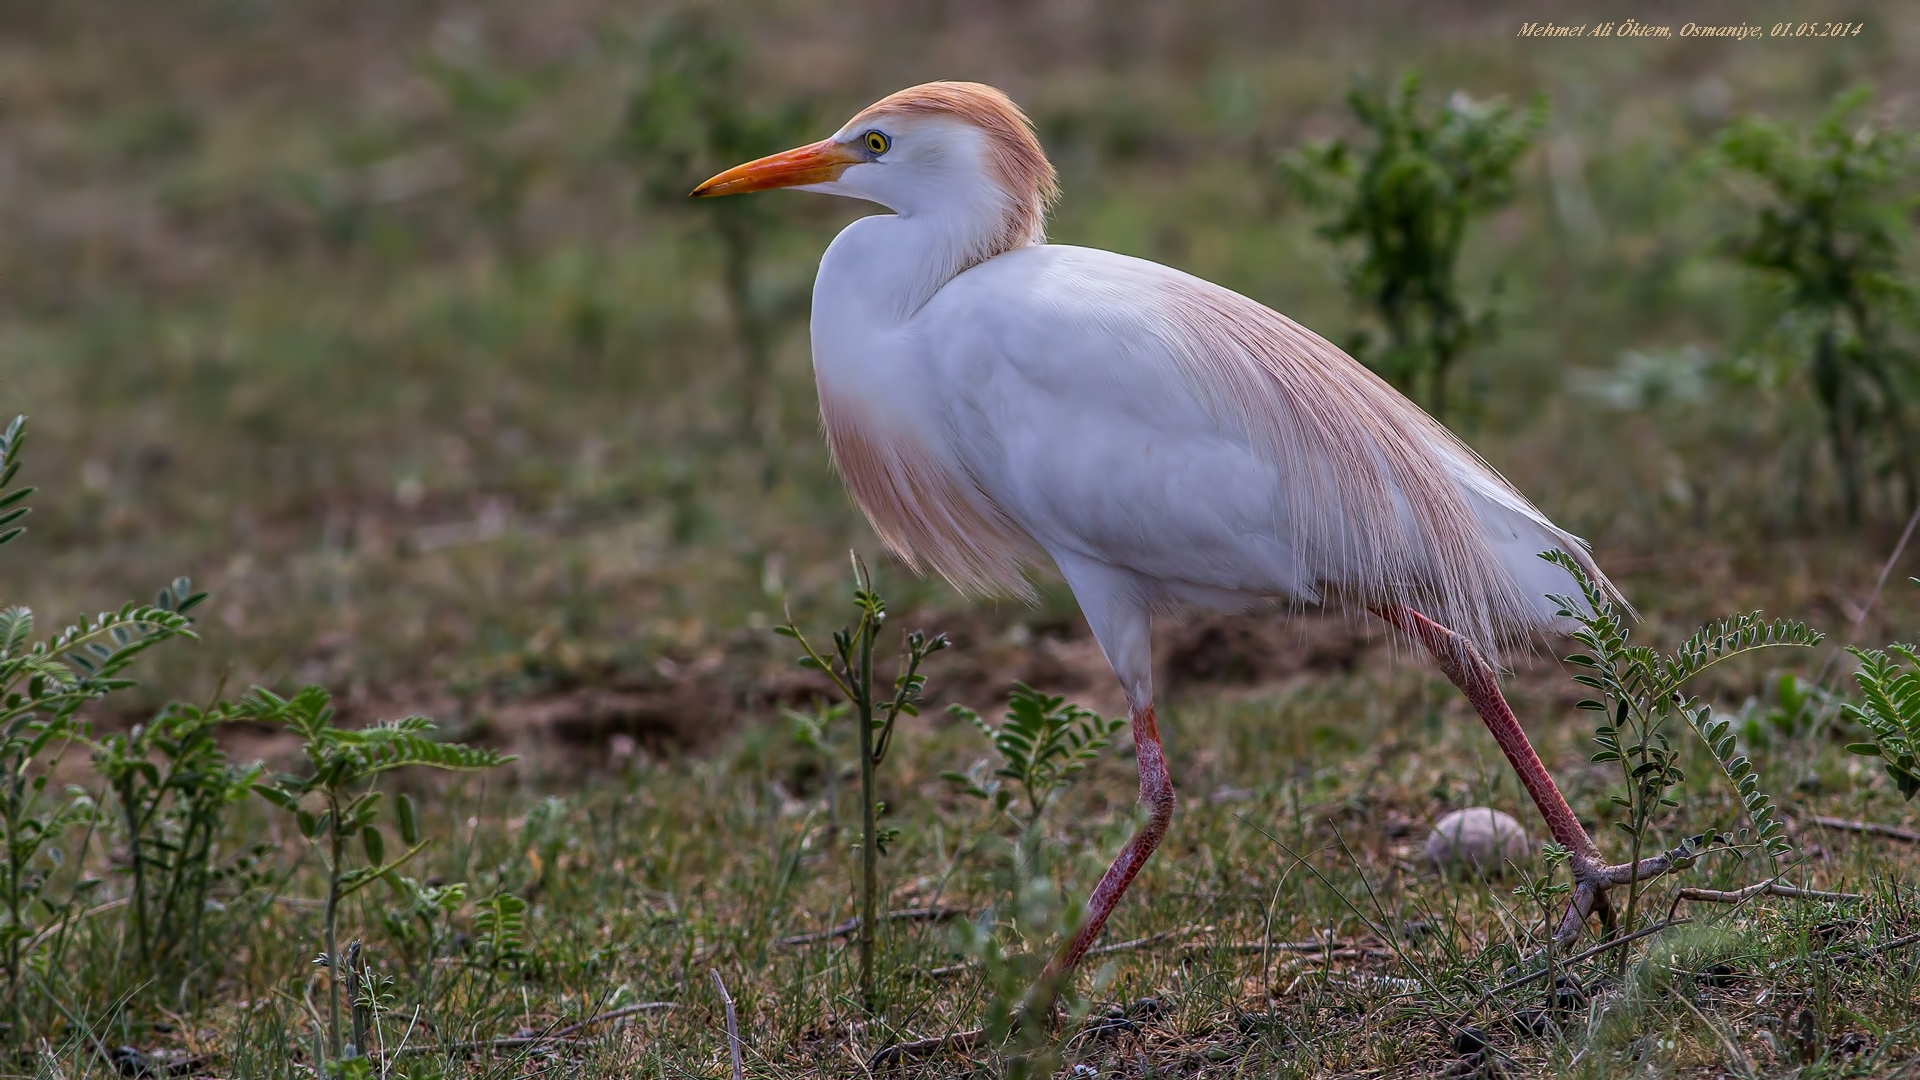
[[337, 802], [1639, 694], [1890, 711], [1044, 741], [44, 685]]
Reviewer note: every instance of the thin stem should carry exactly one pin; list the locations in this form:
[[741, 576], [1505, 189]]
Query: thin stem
[[15, 871], [1553, 941], [134, 846], [733, 1025], [333, 907], [1638, 793], [869, 854], [199, 883]]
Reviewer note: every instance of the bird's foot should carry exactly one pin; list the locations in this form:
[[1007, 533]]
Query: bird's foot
[[1591, 882], [1593, 879]]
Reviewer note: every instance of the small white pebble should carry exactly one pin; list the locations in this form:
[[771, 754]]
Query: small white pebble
[[1478, 838]]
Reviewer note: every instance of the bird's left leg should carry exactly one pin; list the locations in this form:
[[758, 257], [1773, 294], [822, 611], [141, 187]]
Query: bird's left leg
[[1156, 796], [1592, 877]]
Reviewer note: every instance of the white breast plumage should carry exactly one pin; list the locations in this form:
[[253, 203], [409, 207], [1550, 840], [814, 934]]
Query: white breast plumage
[[926, 511]]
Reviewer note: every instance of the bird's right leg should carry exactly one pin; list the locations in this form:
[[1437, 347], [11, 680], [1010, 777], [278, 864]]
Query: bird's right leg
[[1123, 625], [1592, 877]]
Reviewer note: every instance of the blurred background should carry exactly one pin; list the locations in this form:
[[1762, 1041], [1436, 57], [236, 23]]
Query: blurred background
[[391, 326]]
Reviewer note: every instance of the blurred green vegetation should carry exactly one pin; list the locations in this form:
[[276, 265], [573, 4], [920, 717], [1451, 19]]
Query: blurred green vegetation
[[383, 321], [1832, 241], [1406, 198]]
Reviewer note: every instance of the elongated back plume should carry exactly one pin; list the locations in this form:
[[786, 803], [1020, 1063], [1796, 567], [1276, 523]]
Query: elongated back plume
[[1396, 509]]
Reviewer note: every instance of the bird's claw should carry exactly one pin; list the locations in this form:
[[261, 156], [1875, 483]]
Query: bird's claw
[[1592, 879]]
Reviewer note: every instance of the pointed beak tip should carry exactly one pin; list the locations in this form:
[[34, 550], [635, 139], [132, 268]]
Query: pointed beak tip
[[813, 164]]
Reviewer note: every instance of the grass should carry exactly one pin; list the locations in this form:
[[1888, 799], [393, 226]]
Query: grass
[[444, 416], [683, 865]]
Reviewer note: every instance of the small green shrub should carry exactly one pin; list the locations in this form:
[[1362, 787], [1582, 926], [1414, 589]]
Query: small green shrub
[[336, 803], [850, 668], [1010, 943], [484, 102], [43, 685], [420, 926], [1890, 711], [688, 119], [1795, 711], [1828, 236], [1405, 198], [172, 789], [1044, 742], [499, 928], [1639, 698], [813, 729]]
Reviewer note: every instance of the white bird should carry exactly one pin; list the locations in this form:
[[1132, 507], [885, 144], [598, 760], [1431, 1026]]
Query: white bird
[[995, 402]]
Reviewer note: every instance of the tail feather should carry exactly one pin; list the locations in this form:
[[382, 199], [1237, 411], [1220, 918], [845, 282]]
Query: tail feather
[[1518, 533]]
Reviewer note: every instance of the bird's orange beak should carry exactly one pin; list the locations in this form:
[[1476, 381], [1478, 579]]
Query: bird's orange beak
[[816, 163]]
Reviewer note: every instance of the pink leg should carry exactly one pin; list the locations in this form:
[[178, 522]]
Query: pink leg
[[1591, 876], [1156, 794], [1474, 676]]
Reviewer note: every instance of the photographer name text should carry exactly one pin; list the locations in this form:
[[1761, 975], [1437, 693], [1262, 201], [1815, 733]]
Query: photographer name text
[[1634, 28]]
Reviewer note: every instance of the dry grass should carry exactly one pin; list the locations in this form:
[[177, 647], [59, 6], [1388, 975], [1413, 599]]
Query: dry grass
[[1302, 813]]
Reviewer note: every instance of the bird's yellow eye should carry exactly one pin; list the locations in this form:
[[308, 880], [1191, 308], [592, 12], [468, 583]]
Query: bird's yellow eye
[[877, 143]]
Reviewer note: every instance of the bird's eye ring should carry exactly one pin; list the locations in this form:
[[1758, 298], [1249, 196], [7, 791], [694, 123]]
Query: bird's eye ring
[[877, 143]]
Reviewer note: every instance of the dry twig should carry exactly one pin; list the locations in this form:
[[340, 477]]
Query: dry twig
[[1876, 950], [1327, 950], [1871, 828], [845, 929], [557, 1035], [74, 919], [1762, 888], [733, 1025], [1150, 939], [919, 1048]]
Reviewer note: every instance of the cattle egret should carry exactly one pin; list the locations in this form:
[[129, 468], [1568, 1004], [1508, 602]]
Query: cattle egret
[[994, 401]]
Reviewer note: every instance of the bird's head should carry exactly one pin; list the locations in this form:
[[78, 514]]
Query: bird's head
[[955, 150]]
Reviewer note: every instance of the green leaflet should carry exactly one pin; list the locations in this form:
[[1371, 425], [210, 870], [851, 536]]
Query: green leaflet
[[1641, 689], [1890, 711], [1043, 741]]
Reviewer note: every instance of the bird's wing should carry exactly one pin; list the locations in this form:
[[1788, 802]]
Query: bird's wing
[[1121, 411]]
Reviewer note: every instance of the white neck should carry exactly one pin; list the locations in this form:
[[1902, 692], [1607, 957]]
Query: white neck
[[882, 269], [949, 214], [876, 275]]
